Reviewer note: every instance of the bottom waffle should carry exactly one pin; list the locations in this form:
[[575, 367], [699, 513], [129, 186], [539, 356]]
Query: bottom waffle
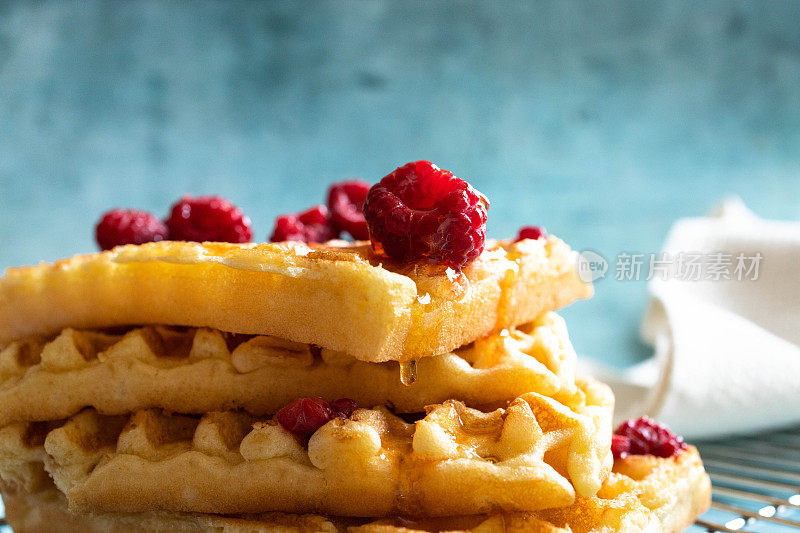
[[643, 493], [45, 511]]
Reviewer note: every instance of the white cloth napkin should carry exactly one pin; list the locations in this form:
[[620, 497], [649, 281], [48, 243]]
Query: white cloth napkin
[[727, 352]]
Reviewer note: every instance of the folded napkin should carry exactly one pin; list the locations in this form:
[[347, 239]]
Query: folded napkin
[[727, 351]]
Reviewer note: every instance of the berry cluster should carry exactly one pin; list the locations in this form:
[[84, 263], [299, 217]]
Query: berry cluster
[[645, 436], [204, 218], [322, 223], [418, 212], [304, 416]]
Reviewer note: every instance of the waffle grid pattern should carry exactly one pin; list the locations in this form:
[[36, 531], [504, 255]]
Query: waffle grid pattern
[[192, 370], [528, 456], [642, 494]]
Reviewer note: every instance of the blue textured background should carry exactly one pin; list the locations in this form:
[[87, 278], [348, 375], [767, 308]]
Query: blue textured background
[[603, 121]]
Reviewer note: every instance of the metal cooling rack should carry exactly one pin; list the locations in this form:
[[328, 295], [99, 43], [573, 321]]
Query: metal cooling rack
[[756, 485]]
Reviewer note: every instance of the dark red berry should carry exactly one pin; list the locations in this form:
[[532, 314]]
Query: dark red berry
[[344, 407], [346, 203], [128, 226], [208, 218], [304, 416], [420, 211], [620, 445], [312, 225], [645, 436], [531, 232]]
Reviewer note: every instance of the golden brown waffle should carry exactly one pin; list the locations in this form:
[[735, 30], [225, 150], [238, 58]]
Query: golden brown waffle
[[338, 296], [46, 511], [200, 370], [642, 494], [22, 454], [535, 454]]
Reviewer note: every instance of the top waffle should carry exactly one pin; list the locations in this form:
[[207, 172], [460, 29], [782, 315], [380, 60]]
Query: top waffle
[[338, 296]]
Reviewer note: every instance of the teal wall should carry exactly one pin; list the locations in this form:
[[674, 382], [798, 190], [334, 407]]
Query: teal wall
[[603, 121]]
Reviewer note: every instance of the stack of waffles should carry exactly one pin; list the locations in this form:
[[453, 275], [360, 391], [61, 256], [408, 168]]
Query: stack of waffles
[[142, 389]]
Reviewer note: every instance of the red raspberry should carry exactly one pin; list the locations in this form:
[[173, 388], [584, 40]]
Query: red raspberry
[[208, 218], [421, 211], [304, 416], [346, 202], [312, 225], [645, 436], [344, 407], [620, 446], [531, 232], [128, 226]]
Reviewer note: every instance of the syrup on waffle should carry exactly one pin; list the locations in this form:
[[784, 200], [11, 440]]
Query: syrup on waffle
[[338, 296]]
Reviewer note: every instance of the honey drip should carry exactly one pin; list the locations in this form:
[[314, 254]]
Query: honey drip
[[408, 372]]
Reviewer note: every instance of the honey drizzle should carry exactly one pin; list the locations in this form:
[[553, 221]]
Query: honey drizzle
[[408, 372]]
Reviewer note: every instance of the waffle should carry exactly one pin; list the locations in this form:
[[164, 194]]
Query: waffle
[[200, 370], [641, 494], [338, 296], [534, 454], [45, 511]]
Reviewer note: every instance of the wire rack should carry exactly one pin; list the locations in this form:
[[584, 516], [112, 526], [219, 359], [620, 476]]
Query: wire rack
[[756, 485]]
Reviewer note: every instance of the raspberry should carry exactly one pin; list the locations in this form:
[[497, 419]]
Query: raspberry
[[620, 446], [312, 225], [208, 218], [346, 203], [645, 436], [128, 226], [304, 416], [344, 407], [531, 232], [420, 211]]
